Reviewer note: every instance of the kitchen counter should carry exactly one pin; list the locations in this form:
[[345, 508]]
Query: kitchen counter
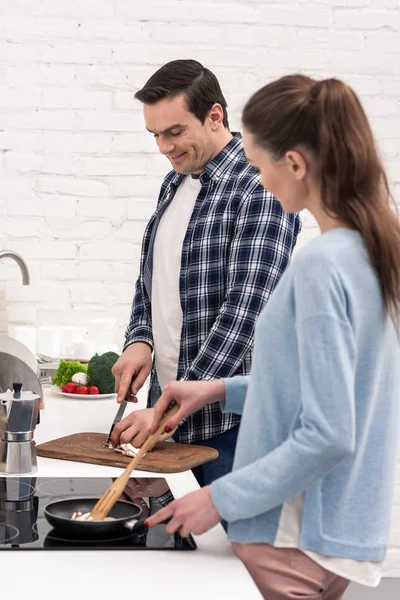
[[211, 571]]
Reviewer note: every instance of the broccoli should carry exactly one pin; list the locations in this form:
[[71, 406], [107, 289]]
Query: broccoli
[[66, 370], [99, 371]]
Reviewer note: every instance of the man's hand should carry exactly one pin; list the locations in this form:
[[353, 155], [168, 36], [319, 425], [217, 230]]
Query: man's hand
[[131, 371], [191, 397], [135, 428], [194, 513]]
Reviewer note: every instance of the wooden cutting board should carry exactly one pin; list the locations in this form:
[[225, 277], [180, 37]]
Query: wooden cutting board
[[166, 457]]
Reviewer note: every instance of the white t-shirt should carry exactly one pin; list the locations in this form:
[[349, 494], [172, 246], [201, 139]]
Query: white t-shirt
[[288, 536], [166, 311]]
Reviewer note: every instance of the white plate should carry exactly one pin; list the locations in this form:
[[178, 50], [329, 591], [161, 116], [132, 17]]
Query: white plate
[[57, 390]]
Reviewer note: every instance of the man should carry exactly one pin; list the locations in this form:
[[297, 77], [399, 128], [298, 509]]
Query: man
[[212, 253]]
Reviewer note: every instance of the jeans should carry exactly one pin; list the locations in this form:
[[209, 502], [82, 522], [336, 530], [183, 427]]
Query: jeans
[[225, 444]]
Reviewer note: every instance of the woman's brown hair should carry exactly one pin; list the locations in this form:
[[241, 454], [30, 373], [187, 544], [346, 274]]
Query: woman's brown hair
[[326, 117]]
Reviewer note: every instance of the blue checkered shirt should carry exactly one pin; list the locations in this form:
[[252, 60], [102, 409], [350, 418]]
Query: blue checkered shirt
[[238, 243]]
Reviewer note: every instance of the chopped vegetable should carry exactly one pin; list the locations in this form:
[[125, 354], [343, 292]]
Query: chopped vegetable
[[80, 378], [126, 449], [67, 370], [99, 372]]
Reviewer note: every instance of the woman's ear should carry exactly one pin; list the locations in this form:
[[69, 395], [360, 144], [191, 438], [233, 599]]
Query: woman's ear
[[297, 164]]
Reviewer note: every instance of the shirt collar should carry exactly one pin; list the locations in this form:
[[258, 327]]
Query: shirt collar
[[219, 164], [223, 161]]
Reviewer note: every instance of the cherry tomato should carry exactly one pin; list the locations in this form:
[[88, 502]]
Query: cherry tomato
[[94, 390], [71, 388], [82, 389], [64, 389]]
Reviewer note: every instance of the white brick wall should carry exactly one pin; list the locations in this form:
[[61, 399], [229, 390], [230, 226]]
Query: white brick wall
[[74, 156]]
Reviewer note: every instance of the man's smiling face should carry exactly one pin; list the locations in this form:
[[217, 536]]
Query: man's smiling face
[[180, 135]]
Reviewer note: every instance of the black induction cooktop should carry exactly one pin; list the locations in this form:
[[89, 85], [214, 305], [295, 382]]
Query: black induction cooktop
[[23, 525]]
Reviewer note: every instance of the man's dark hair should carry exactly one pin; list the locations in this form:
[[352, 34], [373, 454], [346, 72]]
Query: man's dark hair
[[188, 77]]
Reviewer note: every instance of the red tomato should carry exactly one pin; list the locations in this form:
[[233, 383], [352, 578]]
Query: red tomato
[[94, 390], [83, 389], [71, 388], [64, 388]]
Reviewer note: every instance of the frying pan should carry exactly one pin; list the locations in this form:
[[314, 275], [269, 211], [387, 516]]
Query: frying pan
[[126, 515]]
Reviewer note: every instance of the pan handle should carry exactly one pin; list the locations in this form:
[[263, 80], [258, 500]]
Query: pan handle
[[138, 524], [131, 525]]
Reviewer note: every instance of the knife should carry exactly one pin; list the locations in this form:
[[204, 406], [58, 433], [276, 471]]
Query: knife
[[118, 417]]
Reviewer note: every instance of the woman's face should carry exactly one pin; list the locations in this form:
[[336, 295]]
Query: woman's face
[[285, 178]]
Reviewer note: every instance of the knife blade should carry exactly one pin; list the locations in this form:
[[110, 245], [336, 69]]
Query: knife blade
[[118, 417]]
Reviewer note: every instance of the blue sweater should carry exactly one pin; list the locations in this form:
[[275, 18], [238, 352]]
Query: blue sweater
[[320, 408]]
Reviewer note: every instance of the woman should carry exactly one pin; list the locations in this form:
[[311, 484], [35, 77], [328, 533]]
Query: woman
[[308, 502]]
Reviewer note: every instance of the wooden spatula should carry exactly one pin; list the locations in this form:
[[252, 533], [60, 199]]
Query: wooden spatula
[[111, 495]]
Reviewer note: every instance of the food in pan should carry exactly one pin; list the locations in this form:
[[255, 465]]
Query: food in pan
[[78, 516]]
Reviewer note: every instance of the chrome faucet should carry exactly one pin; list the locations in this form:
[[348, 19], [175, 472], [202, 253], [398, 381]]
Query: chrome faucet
[[21, 263]]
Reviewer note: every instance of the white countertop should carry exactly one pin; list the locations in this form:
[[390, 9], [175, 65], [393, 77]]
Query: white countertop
[[211, 571]]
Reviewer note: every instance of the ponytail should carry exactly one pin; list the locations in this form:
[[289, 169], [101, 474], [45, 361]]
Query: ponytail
[[327, 118], [354, 185]]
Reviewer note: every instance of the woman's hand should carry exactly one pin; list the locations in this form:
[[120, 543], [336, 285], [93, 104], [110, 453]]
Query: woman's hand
[[190, 396], [194, 513], [134, 429]]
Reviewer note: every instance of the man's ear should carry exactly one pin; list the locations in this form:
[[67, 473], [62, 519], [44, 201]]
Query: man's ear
[[297, 164], [216, 116]]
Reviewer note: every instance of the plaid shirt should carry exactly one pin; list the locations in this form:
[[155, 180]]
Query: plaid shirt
[[237, 245]]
